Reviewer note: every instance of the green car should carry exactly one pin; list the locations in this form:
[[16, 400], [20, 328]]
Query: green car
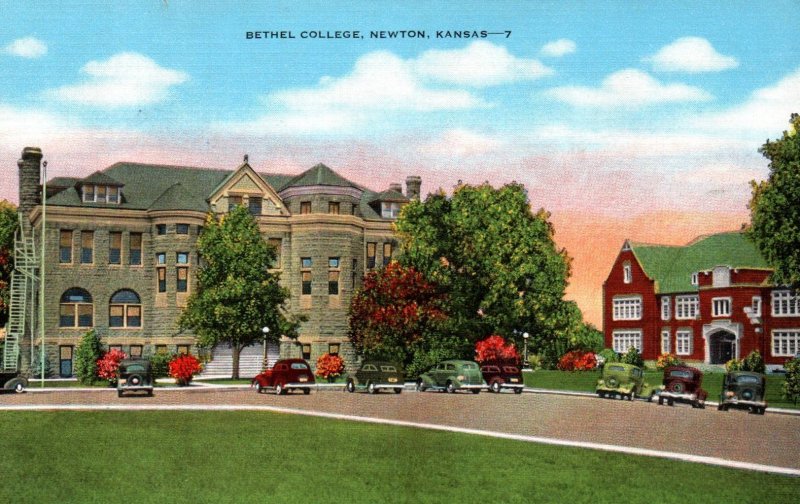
[[625, 381], [376, 375], [744, 390], [452, 375]]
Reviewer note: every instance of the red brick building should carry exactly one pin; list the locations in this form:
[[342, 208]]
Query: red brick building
[[708, 301]]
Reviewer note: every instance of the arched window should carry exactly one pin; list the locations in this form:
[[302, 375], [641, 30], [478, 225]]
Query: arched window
[[627, 272], [76, 308], [125, 309]]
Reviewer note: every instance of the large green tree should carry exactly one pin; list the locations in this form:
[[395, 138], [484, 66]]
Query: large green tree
[[496, 259], [8, 226], [236, 295], [775, 206]]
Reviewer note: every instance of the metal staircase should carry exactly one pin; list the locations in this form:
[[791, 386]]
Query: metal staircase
[[23, 280]]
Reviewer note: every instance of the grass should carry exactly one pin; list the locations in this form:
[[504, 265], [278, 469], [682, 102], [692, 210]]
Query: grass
[[35, 383], [165, 456], [585, 381]]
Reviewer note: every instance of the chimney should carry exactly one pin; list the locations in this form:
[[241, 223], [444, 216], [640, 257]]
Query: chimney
[[413, 187], [29, 179], [396, 187]]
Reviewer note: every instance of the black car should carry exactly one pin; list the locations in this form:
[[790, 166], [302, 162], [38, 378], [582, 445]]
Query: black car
[[135, 375], [744, 390], [13, 381]]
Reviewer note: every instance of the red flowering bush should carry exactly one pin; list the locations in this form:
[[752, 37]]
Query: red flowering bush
[[329, 366], [496, 349], [183, 368], [108, 365], [666, 360], [577, 360]]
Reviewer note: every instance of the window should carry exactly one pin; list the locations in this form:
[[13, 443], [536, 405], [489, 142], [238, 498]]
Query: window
[[683, 341], [161, 229], [182, 257], [665, 346], [114, 347], [306, 287], [306, 351], [76, 309], [353, 273], [276, 244], [183, 279], [721, 307], [333, 262], [125, 309], [627, 272], [785, 343], [721, 276], [161, 349], [115, 248], [333, 348], [182, 229], [665, 305], [785, 304], [333, 283], [687, 307], [695, 279], [305, 207], [162, 279], [305, 262], [87, 247], [100, 194], [88, 193], [161, 258], [135, 249], [113, 194], [136, 351], [387, 253], [627, 308], [371, 251], [254, 205], [233, 202], [333, 207], [65, 246], [623, 340], [756, 306], [183, 349], [390, 210]]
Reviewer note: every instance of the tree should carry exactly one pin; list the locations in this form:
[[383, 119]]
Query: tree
[[87, 354], [236, 295], [394, 312], [495, 258], [774, 208], [496, 349], [8, 227]]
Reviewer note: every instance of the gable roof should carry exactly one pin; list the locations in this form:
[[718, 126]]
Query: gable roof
[[320, 175], [389, 195], [100, 178], [672, 266]]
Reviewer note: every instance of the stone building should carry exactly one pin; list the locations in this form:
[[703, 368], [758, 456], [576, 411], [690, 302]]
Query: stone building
[[121, 257]]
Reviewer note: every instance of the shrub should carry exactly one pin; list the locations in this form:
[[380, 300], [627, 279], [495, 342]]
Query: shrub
[[733, 365], [329, 367], [36, 366], [754, 362], [608, 355], [791, 386], [632, 356], [87, 354], [534, 362], [577, 360], [183, 368], [666, 360], [551, 353], [159, 364], [108, 365], [496, 349]]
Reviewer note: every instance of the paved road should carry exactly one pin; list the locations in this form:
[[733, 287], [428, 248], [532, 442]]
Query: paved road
[[735, 435]]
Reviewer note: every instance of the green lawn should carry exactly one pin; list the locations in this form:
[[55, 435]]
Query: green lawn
[[585, 381], [164, 456], [34, 384]]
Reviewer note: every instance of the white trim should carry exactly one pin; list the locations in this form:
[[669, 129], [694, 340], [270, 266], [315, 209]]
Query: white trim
[[666, 347], [684, 341], [689, 303], [788, 339], [713, 328], [623, 339], [626, 307], [666, 305], [718, 303], [627, 272], [787, 307]]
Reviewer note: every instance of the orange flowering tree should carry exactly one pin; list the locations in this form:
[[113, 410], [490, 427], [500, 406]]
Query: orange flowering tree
[[329, 367], [496, 349], [108, 365], [183, 368], [577, 360]]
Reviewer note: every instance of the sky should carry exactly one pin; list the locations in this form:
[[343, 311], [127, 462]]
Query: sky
[[623, 119]]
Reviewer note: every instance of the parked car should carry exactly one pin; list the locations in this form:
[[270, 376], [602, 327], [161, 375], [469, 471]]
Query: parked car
[[285, 375], [623, 380], [452, 375], [683, 384], [13, 382], [501, 376], [376, 375], [134, 375], [744, 390]]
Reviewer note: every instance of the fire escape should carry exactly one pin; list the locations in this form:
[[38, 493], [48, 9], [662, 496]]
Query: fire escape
[[23, 296]]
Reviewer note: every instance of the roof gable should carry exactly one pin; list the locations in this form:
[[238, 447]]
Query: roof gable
[[320, 175], [246, 181]]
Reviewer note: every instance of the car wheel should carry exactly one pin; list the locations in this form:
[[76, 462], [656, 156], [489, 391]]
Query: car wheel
[[306, 391], [651, 396], [476, 391], [119, 393], [279, 389], [19, 388], [496, 386], [150, 393], [676, 387], [518, 390], [762, 410], [450, 388], [350, 387], [661, 401], [371, 388], [671, 402], [701, 404], [259, 388], [601, 394], [420, 386], [398, 391]]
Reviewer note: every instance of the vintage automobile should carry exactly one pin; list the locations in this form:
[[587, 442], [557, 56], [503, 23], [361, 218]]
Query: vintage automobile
[[683, 384], [452, 375], [501, 376], [13, 382], [744, 390], [625, 381], [134, 375], [373, 376], [285, 375]]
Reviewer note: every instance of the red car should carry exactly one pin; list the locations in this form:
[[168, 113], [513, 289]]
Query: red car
[[501, 376], [285, 375]]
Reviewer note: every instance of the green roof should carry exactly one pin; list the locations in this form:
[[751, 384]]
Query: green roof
[[100, 178], [320, 175], [672, 267]]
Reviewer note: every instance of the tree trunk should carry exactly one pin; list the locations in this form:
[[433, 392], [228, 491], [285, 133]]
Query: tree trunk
[[236, 350]]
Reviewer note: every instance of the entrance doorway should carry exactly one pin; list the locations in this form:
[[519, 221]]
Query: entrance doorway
[[722, 346], [65, 361]]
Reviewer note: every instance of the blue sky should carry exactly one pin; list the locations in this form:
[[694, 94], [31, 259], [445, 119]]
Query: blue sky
[[619, 111]]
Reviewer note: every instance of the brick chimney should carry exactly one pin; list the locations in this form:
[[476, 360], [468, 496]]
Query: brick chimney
[[413, 187], [29, 179], [396, 187]]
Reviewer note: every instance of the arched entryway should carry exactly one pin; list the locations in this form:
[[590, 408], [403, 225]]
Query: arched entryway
[[722, 347]]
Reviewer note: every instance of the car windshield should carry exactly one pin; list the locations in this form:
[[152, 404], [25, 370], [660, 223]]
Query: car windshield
[[134, 368], [747, 379], [681, 374], [299, 365], [615, 368], [388, 369], [511, 370], [470, 365]]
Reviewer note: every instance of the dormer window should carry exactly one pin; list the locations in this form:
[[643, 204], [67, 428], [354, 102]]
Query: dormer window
[[101, 194], [695, 279], [390, 210]]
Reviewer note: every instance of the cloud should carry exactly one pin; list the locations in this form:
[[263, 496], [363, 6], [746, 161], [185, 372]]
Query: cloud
[[628, 88], [124, 80], [479, 64], [28, 47], [690, 54], [766, 111], [558, 48], [461, 143]]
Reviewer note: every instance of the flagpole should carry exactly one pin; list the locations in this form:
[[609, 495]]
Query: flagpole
[[41, 270]]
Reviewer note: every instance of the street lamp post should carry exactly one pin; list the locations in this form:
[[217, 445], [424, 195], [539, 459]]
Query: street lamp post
[[265, 331], [525, 337]]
